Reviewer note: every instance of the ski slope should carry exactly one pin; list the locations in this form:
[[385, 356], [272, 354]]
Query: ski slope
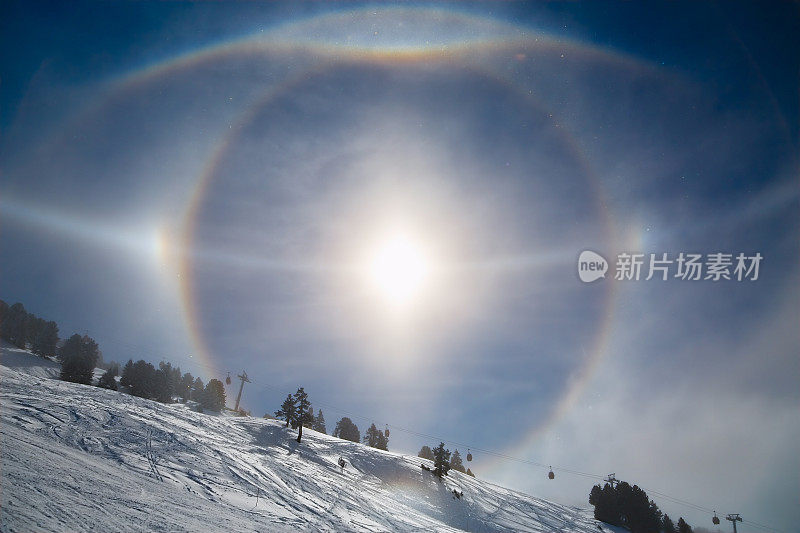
[[81, 458]]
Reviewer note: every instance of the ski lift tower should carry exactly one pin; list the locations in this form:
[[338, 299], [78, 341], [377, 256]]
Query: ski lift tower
[[243, 377], [734, 517]]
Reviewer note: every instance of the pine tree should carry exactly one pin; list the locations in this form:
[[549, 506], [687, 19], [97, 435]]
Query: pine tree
[[456, 463], [15, 325], [45, 338], [469, 473], [347, 430], [303, 404], [78, 358], [426, 453], [667, 525], [653, 521], [441, 460], [185, 387], [197, 390], [627, 506], [683, 527], [214, 395], [604, 501], [140, 379], [287, 411], [375, 438], [308, 420], [127, 372], [162, 387], [319, 423], [107, 380]]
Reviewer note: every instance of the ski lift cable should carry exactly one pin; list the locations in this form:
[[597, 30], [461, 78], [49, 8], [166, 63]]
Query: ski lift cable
[[759, 526], [266, 386], [131, 348], [507, 457]]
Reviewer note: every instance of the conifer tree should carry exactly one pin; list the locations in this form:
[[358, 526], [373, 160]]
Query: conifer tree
[[319, 422], [456, 463], [347, 430], [287, 411], [167, 382], [375, 438], [303, 404], [667, 525], [185, 387], [214, 395], [197, 390], [426, 453], [627, 506], [162, 386], [469, 473], [127, 372], [441, 460], [141, 379], [107, 380], [15, 325], [78, 358], [45, 339], [683, 527]]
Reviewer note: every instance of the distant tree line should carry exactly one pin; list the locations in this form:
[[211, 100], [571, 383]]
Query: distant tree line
[[297, 412], [628, 506], [166, 384], [443, 460], [80, 355], [26, 330]]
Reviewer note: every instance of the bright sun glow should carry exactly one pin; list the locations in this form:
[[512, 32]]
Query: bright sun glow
[[398, 270]]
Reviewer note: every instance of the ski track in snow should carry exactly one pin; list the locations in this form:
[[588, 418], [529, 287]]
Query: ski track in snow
[[76, 457]]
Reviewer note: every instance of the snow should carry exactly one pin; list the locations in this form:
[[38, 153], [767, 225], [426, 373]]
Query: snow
[[76, 457], [24, 361]]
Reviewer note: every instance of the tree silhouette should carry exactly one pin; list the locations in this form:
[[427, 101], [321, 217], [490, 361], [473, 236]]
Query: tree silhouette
[[426, 453], [319, 422], [214, 395], [347, 430], [441, 460], [456, 463], [303, 405], [78, 358], [287, 410], [375, 438]]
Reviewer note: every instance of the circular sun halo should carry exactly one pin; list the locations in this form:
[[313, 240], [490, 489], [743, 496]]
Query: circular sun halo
[[398, 270]]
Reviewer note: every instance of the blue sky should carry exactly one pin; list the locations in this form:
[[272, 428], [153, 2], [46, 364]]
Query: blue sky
[[504, 139]]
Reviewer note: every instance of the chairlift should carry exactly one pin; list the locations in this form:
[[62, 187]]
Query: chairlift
[[551, 475], [469, 455], [228, 379], [715, 520]]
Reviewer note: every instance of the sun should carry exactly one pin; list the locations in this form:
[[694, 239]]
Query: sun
[[398, 270]]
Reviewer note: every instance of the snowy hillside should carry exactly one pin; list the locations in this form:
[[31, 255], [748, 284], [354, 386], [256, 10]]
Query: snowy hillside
[[76, 457], [23, 361]]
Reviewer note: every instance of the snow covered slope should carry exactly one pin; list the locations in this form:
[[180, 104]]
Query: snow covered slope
[[24, 361], [81, 458]]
